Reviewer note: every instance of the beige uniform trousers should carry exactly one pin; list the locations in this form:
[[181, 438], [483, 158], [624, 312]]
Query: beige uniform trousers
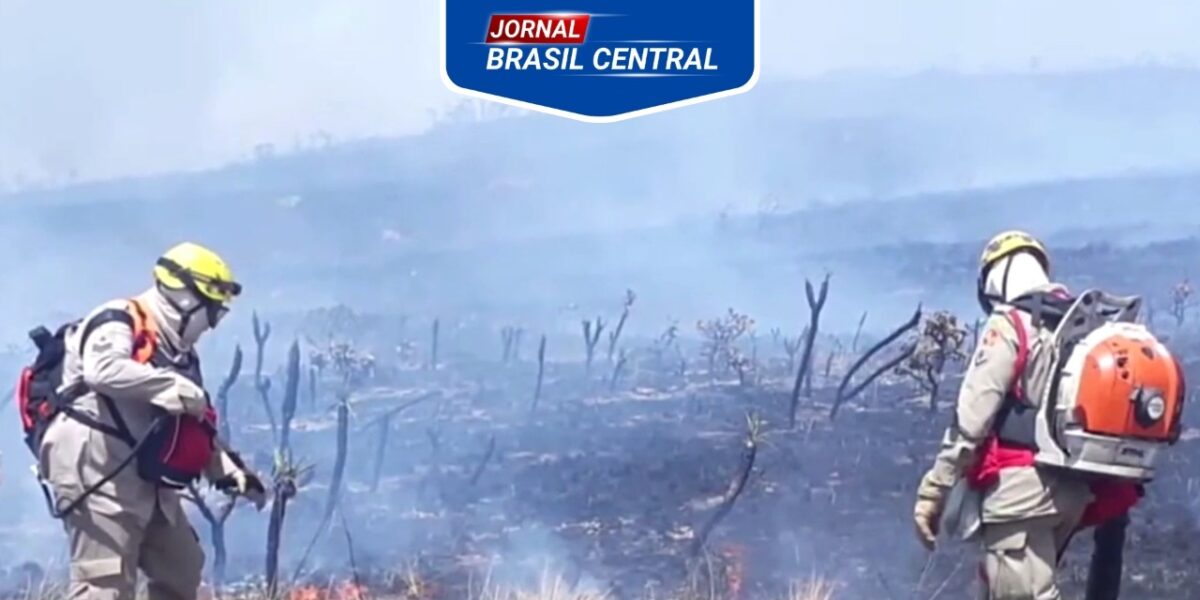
[[1021, 558], [107, 551]]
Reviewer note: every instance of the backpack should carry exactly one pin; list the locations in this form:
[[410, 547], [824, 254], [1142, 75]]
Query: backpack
[[1095, 392], [172, 453], [37, 384]]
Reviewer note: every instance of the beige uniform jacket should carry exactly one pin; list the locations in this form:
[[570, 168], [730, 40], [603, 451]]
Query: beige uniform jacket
[[74, 456], [1022, 492]]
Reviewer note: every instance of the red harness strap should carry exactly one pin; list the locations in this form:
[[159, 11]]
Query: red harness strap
[[1018, 389], [995, 454]]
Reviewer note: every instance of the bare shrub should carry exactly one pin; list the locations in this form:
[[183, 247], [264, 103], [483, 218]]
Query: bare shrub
[[720, 335], [940, 343], [1181, 301]]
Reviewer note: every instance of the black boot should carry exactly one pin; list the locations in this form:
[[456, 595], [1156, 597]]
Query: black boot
[[1104, 574]]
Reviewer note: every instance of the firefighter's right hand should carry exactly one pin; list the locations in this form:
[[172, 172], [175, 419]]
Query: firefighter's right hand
[[925, 516], [927, 512], [244, 483], [186, 398]]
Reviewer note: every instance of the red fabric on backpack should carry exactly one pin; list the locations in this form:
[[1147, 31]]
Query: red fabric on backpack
[[1112, 499], [27, 417], [190, 447]]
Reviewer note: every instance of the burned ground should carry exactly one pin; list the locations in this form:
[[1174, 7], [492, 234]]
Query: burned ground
[[457, 479]]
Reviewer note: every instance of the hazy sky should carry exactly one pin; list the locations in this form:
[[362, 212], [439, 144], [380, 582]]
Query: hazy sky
[[121, 87]]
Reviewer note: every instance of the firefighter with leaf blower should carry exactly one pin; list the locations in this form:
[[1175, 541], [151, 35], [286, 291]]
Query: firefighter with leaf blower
[[1062, 411], [114, 409]]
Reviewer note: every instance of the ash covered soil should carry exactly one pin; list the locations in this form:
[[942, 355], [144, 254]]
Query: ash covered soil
[[609, 489]]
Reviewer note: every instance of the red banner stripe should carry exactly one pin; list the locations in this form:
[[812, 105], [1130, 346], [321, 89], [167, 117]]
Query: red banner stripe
[[537, 29]]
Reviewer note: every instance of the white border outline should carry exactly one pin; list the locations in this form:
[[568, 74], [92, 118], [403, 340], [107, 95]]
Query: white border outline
[[745, 87]]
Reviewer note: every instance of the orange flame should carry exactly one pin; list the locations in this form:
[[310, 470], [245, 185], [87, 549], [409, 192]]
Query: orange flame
[[305, 592], [349, 590]]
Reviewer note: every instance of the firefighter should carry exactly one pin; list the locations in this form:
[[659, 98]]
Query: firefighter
[[118, 520], [1026, 514]]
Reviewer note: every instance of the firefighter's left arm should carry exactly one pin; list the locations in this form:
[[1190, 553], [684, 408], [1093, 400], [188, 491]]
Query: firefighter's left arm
[[229, 473], [984, 389], [108, 369]]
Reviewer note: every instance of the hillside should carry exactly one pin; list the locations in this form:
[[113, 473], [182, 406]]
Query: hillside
[[727, 203]]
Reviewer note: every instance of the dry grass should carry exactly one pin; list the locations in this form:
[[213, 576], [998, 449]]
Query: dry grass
[[550, 588], [816, 588], [554, 588], [44, 591]]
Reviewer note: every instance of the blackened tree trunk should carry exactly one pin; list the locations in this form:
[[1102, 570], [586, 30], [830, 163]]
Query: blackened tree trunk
[[815, 304]]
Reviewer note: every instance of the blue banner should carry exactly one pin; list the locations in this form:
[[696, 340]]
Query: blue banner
[[600, 60]]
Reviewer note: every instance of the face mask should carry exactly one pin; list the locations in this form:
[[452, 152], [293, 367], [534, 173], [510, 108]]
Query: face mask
[[195, 315], [195, 323]]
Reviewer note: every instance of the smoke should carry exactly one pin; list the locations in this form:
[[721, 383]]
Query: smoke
[[140, 87]]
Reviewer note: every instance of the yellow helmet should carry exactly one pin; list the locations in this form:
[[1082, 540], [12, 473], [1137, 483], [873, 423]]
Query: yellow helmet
[[1010, 242], [1005, 244], [194, 267]]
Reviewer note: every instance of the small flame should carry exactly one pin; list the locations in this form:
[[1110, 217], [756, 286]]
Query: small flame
[[347, 590], [305, 592]]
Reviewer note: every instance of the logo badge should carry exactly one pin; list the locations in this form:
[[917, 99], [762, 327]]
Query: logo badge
[[600, 61]]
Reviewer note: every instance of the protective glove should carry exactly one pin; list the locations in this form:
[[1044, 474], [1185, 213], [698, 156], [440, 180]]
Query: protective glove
[[927, 512], [185, 398], [244, 484], [241, 481]]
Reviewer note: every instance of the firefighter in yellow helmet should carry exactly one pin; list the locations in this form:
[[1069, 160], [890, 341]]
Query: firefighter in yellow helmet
[[1022, 514], [130, 367]]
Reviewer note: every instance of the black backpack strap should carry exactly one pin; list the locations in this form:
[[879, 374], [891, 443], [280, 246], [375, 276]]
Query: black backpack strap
[[121, 429], [1045, 308], [104, 317]]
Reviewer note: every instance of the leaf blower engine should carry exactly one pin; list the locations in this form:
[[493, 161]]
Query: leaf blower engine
[[1114, 394]]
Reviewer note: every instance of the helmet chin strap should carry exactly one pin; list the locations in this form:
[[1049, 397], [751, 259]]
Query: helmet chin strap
[[988, 301], [1008, 262]]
